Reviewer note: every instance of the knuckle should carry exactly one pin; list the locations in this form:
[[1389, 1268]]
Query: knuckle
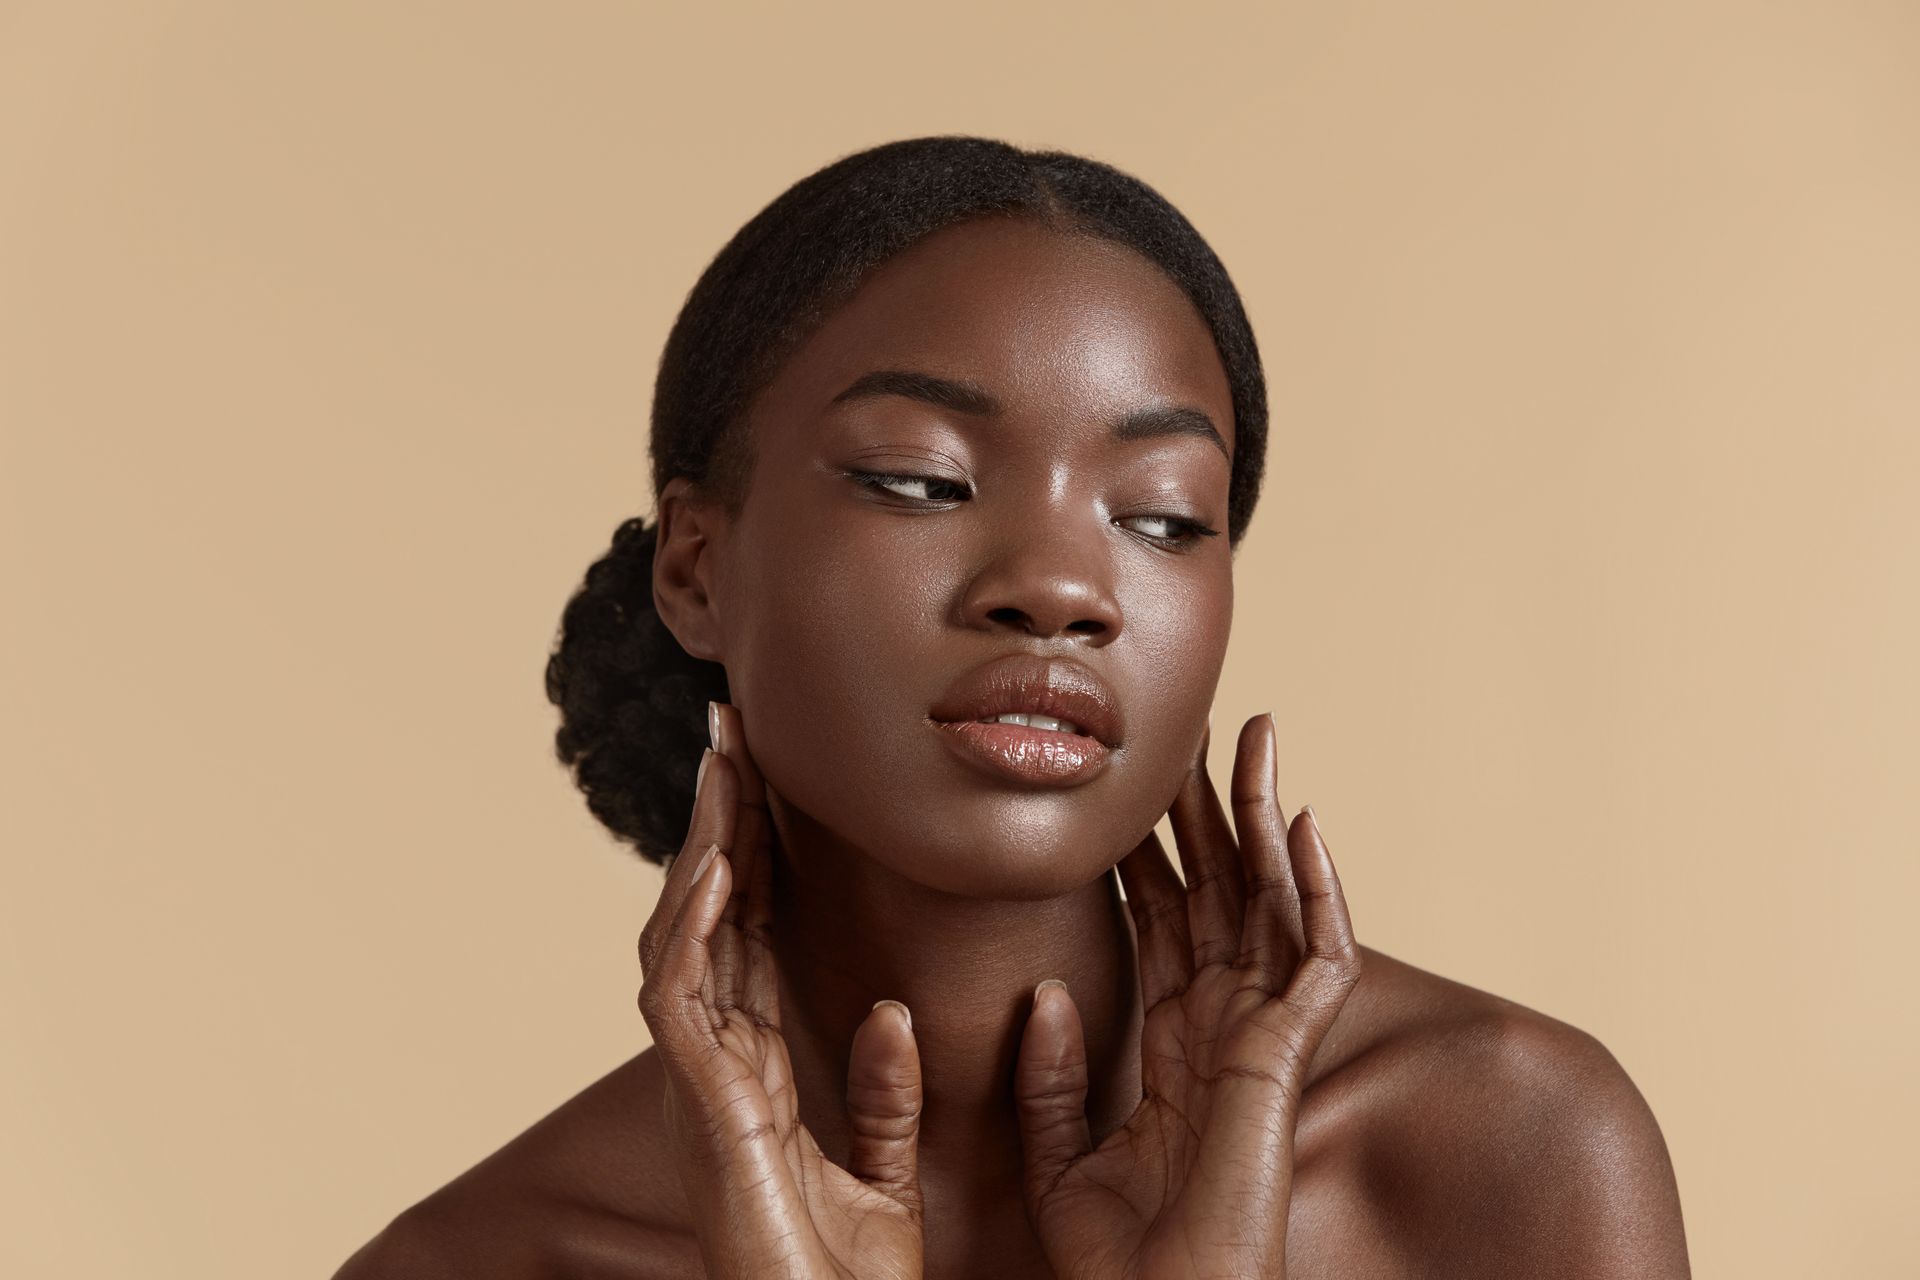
[[1056, 1085], [884, 1089], [1227, 879], [661, 1006], [1281, 1079], [889, 1118], [1153, 916], [1051, 1103], [1215, 951], [1265, 886]]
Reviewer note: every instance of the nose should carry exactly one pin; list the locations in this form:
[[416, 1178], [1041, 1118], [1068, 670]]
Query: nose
[[1047, 578]]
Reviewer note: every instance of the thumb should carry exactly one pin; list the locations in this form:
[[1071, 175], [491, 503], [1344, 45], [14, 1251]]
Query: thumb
[[1050, 1090], [883, 1104]]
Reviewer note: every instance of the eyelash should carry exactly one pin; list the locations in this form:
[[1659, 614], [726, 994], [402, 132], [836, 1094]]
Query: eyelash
[[1188, 532]]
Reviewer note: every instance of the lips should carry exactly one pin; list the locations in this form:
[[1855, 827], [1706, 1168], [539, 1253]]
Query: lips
[[1033, 720]]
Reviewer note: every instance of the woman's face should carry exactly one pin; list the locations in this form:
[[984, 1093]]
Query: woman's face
[[1001, 523]]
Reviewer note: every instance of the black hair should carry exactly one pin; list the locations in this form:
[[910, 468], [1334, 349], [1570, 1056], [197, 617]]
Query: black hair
[[632, 702]]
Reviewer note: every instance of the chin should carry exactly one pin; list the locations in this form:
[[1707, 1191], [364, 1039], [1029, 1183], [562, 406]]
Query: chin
[[890, 790], [1003, 844]]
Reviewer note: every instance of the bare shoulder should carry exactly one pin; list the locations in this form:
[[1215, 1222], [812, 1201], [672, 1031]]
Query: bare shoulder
[[582, 1192], [1497, 1140]]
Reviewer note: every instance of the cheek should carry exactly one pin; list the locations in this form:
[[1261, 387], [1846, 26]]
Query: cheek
[[1176, 645], [826, 641]]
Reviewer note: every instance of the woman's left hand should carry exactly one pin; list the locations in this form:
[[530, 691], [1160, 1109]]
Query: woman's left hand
[[1242, 971]]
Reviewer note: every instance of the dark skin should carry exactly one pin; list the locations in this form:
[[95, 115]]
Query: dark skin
[[1430, 1129]]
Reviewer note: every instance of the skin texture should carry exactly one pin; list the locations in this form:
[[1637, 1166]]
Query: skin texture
[[1241, 975], [1429, 1129]]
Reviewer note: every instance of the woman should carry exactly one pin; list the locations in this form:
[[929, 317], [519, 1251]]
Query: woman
[[952, 445]]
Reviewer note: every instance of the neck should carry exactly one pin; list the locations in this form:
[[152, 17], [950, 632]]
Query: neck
[[848, 931]]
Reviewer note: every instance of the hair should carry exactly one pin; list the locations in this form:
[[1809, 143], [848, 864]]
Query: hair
[[632, 701]]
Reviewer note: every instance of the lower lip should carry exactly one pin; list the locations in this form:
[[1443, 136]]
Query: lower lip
[[1036, 757]]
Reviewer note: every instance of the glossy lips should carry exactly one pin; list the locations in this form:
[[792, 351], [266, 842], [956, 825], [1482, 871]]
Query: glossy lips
[[1024, 684]]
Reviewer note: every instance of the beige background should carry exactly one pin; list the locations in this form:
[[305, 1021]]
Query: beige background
[[326, 341]]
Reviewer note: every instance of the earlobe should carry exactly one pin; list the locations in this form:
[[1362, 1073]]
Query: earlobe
[[683, 568]]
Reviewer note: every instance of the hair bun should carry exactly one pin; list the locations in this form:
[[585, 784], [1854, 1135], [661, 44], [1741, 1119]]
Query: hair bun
[[633, 703]]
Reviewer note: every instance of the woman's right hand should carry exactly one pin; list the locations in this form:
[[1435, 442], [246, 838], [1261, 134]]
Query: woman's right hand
[[765, 1201]]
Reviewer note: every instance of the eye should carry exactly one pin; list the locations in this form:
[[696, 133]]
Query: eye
[[1171, 531], [916, 488]]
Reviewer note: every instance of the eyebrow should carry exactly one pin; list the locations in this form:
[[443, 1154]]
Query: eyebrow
[[967, 398]]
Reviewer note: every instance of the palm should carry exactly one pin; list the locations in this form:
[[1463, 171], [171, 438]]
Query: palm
[[867, 1232], [1198, 1180]]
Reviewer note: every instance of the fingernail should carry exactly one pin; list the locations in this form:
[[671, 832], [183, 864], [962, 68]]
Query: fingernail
[[706, 860], [706, 758], [1050, 982], [1273, 755], [896, 1004], [1314, 819], [713, 725]]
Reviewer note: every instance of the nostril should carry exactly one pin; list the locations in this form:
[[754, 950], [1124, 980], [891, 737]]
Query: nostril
[[1020, 619]]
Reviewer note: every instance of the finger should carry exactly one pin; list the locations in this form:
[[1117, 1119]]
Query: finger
[[1332, 963], [1254, 1106], [1284, 1034], [1216, 886], [1158, 903], [728, 728], [1050, 1092], [747, 967], [712, 824], [719, 1118], [676, 999], [883, 1104], [1270, 940]]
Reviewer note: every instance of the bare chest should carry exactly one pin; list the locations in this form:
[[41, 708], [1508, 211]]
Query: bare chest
[[1341, 1220], [1333, 1230]]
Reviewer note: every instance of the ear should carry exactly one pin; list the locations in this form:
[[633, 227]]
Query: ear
[[684, 565]]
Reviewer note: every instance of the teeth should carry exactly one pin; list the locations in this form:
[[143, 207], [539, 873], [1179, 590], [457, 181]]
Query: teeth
[[1033, 722]]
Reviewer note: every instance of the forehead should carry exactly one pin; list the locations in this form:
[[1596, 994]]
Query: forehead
[[1047, 322]]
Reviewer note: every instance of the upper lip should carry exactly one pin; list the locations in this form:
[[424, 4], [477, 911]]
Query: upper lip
[[1032, 685]]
